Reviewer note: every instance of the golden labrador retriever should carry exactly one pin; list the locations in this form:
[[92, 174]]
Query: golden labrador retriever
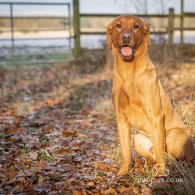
[[140, 100]]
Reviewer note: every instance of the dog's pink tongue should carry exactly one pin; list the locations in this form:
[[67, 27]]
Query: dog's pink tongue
[[126, 51]]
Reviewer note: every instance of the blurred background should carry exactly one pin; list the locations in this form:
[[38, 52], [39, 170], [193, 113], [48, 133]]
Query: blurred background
[[49, 31]]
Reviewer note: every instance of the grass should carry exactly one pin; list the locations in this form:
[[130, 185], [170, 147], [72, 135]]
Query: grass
[[185, 173], [33, 55], [44, 155]]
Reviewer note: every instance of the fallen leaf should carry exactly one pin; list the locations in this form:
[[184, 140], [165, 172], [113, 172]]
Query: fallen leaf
[[91, 184], [61, 151], [146, 190], [41, 163], [135, 189], [99, 178], [105, 167], [50, 101], [60, 185], [109, 191], [77, 193], [33, 155], [123, 190], [67, 133], [81, 135]]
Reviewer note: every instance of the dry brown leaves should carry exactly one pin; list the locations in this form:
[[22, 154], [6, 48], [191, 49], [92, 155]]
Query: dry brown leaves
[[58, 132]]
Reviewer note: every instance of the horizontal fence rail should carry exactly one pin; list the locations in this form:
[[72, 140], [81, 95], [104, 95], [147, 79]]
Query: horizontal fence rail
[[12, 30], [171, 16], [86, 15], [115, 15], [33, 3]]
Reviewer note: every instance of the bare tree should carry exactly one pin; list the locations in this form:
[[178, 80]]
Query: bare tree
[[141, 6]]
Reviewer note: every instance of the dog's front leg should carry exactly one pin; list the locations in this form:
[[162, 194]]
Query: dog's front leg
[[151, 101], [120, 102], [125, 143]]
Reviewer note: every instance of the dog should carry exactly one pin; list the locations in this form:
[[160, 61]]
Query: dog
[[139, 99]]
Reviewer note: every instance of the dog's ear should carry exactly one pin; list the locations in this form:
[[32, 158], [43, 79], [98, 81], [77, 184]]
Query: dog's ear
[[147, 33], [109, 36]]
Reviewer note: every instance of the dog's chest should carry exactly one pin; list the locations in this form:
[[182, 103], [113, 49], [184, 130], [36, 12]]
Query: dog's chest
[[136, 109], [132, 92]]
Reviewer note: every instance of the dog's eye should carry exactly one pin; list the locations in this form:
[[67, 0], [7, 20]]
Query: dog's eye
[[118, 25], [136, 26]]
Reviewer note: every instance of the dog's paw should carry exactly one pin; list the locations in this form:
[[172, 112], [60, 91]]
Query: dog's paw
[[159, 170], [123, 170]]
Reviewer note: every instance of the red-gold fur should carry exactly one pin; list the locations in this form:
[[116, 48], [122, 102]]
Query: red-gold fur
[[140, 100]]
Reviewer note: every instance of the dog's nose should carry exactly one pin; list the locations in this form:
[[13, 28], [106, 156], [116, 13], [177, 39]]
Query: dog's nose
[[126, 37]]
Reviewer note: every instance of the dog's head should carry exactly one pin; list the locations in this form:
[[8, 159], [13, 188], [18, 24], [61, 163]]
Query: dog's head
[[128, 35]]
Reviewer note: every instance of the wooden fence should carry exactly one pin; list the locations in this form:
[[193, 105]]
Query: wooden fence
[[169, 31]]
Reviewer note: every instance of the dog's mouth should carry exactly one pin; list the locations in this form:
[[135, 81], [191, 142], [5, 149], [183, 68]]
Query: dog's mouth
[[126, 51]]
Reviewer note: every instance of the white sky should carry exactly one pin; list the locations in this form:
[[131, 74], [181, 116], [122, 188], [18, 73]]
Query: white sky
[[95, 6]]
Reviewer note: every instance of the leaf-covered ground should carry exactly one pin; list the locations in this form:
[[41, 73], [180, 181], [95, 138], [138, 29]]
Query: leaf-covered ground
[[58, 131]]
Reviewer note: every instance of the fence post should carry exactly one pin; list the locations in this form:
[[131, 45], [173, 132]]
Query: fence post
[[171, 26], [76, 25], [181, 21], [12, 25]]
